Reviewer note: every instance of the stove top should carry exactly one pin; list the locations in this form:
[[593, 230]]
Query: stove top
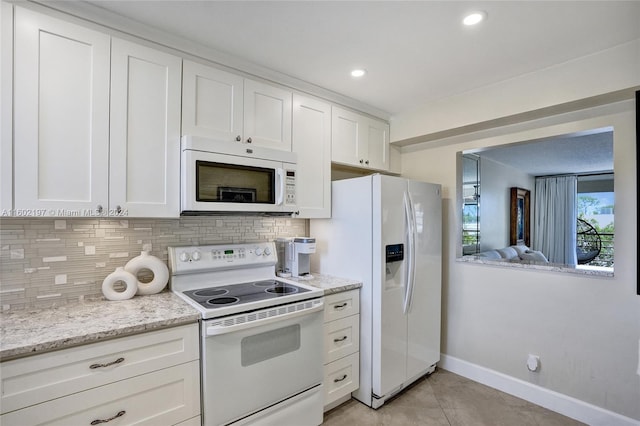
[[236, 278], [218, 297]]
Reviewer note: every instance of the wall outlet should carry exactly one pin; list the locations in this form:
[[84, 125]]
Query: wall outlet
[[533, 363]]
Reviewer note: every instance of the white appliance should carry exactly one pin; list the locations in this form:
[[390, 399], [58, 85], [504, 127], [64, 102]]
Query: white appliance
[[297, 256], [221, 176], [387, 232], [261, 337]]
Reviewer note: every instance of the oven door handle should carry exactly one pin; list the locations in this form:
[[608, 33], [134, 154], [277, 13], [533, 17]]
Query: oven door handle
[[219, 327]]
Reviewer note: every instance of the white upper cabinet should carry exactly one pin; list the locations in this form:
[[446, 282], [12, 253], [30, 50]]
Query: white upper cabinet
[[377, 133], [267, 115], [144, 177], [211, 103], [61, 115], [97, 123], [224, 106], [312, 143], [358, 140]]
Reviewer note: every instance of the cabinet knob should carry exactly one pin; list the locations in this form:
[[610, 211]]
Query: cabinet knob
[[99, 208], [366, 162], [361, 161], [249, 140], [238, 138], [118, 209]]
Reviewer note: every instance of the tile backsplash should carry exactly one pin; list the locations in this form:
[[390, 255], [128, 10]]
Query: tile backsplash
[[50, 262]]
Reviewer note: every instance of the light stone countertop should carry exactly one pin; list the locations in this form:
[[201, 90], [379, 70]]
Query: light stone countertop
[[32, 331], [329, 283]]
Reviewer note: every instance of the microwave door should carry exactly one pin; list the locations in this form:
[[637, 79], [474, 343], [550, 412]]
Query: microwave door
[[215, 182]]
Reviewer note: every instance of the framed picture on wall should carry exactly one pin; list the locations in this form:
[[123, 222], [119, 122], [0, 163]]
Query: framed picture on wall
[[520, 216]]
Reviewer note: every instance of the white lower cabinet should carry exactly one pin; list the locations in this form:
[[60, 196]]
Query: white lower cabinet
[[341, 347], [151, 378]]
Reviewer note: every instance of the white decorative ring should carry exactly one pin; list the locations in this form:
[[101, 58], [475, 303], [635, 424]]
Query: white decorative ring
[[156, 266], [129, 280]]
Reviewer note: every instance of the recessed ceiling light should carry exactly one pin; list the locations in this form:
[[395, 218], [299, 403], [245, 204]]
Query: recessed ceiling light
[[474, 18], [358, 73]]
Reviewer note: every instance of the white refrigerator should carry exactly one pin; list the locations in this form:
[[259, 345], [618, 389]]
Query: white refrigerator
[[387, 232]]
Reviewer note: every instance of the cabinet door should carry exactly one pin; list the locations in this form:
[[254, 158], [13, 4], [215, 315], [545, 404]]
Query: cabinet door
[[312, 143], [6, 107], [145, 131], [163, 397], [346, 133], [267, 115], [377, 135], [211, 103], [61, 103]]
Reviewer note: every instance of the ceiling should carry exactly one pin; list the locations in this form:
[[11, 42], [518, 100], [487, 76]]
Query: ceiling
[[413, 51], [591, 153]]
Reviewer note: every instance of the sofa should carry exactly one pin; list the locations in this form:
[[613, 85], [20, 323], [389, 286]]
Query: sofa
[[515, 253]]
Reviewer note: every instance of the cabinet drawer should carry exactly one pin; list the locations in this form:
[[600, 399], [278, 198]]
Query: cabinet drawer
[[340, 305], [341, 377], [341, 338], [168, 396], [32, 380]]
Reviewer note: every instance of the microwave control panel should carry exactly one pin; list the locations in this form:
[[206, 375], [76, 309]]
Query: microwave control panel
[[290, 187]]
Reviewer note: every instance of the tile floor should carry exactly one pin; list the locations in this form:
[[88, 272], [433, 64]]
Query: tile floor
[[446, 399]]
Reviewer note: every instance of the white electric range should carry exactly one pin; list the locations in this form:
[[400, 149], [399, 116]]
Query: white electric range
[[261, 335]]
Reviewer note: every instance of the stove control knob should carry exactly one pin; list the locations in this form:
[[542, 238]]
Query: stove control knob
[[267, 251], [258, 251], [184, 256], [196, 255]]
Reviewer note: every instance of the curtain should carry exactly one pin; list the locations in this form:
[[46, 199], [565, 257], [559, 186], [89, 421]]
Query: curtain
[[555, 216]]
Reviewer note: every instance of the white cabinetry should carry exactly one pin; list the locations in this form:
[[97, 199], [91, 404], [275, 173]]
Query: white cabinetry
[[69, 157], [312, 143], [358, 140], [223, 106], [341, 346], [144, 175], [61, 98], [211, 103], [151, 377]]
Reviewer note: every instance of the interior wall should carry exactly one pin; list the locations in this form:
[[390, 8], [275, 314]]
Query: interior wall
[[585, 329], [496, 181], [567, 83]]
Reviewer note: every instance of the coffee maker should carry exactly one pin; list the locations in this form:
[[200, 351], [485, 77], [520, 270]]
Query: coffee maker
[[296, 253]]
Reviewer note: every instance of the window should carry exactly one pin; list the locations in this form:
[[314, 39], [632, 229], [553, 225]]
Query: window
[[596, 207]]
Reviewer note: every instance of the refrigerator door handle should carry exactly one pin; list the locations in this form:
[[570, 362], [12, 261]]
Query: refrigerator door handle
[[410, 264]]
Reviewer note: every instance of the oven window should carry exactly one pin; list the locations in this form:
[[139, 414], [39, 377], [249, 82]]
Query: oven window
[[230, 183], [270, 344]]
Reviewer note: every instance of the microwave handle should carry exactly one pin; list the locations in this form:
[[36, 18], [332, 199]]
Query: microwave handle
[[279, 186]]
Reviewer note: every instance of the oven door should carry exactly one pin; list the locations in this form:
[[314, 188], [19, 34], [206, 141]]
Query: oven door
[[215, 182], [255, 361]]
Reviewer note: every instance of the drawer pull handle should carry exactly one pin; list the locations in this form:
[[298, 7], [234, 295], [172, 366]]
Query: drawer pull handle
[[341, 306], [117, 361], [97, 422], [344, 376], [340, 339]]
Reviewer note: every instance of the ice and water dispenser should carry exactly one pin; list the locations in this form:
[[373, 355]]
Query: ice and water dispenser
[[394, 255]]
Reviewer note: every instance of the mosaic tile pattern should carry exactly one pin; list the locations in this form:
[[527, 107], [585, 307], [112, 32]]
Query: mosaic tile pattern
[[52, 262]]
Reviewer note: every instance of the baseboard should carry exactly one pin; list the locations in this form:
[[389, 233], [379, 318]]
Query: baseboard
[[554, 401]]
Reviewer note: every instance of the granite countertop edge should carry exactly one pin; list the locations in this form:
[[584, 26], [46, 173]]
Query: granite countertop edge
[[31, 332]]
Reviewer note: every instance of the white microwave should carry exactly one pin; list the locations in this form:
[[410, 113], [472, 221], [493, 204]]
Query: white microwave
[[220, 177]]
